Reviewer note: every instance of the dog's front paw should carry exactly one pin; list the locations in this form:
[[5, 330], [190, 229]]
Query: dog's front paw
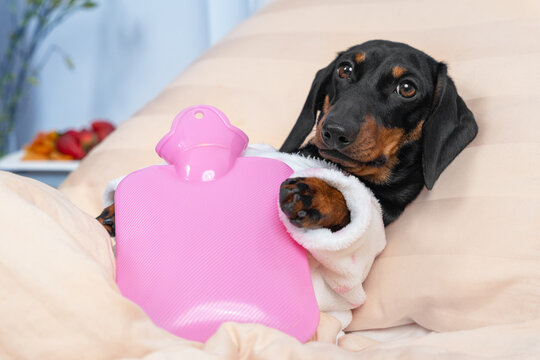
[[107, 219], [312, 203]]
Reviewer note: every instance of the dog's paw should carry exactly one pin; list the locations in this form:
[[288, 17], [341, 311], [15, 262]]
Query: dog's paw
[[106, 218], [311, 203]]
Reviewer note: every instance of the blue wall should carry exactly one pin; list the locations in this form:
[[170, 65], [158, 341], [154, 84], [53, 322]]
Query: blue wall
[[125, 52]]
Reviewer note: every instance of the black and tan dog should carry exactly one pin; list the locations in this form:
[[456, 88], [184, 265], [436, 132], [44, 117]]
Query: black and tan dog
[[382, 111]]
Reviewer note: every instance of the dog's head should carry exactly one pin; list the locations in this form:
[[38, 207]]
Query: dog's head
[[377, 97]]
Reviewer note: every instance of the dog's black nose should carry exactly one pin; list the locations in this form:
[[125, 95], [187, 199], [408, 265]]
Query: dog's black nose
[[336, 136]]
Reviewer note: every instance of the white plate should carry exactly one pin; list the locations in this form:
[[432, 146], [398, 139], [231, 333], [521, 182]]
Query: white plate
[[14, 162]]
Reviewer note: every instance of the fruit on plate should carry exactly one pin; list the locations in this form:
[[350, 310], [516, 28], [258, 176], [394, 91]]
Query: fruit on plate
[[102, 128], [69, 145], [87, 140], [42, 146]]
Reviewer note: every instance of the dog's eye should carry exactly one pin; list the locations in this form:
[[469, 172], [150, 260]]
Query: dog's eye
[[345, 71], [406, 89]]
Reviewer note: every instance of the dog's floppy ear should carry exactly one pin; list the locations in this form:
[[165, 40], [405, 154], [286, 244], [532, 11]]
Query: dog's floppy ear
[[448, 129], [306, 120]]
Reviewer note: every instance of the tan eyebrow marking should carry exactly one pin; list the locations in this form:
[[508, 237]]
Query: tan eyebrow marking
[[326, 105], [397, 71], [360, 57]]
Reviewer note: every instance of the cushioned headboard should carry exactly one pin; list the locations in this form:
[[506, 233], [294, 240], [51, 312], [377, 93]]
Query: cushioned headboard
[[461, 246]]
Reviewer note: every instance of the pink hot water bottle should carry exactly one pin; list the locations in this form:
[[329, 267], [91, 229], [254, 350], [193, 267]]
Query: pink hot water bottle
[[200, 242]]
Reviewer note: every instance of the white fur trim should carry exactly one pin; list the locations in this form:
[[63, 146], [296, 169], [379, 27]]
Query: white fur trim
[[359, 200], [108, 194], [296, 162]]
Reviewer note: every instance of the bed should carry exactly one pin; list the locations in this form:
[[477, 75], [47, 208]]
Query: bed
[[460, 276]]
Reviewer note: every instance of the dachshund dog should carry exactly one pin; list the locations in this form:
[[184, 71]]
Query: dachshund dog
[[382, 111]]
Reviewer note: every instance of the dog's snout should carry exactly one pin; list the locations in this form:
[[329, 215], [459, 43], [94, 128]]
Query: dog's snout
[[336, 136]]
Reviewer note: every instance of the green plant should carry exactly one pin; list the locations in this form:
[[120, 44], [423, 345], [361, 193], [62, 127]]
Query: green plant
[[31, 22]]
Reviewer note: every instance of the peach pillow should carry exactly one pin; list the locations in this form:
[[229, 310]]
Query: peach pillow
[[467, 253]]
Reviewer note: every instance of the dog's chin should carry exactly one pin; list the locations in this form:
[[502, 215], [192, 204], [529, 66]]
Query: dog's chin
[[344, 160]]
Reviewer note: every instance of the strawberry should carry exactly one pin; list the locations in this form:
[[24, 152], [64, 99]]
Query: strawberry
[[87, 140], [102, 128], [73, 133], [68, 144]]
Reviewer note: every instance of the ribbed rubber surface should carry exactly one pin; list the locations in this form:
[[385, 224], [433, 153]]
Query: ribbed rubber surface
[[196, 254]]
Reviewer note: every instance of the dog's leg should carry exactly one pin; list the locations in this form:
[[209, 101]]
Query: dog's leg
[[106, 218], [312, 203]]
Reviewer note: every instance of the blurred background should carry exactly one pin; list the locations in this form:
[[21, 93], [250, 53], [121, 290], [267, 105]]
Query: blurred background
[[89, 60]]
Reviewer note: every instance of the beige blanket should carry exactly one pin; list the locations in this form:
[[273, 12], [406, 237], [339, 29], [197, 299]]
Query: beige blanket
[[59, 300], [463, 261]]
